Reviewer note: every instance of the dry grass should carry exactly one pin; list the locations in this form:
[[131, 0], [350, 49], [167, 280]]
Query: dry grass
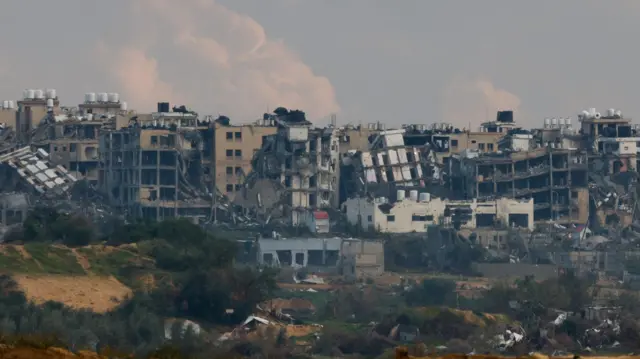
[[99, 294]]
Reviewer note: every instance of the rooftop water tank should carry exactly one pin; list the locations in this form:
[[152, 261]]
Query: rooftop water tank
[[89, 117], [424, 197], [5, 104], [547, 122], [92, 97], [611, 112], [561, 122], [618, 113], [103, 97], [12, 104], [597, 115], [50, 102], [39, 94], [400, 195], [50, 93], [413, 195], [123, 106], [568, 121], [585, 114], [114, 97], [554, 122], [31, 94]]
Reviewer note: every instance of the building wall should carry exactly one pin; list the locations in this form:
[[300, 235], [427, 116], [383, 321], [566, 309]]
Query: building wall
[[230, 171], [362, 259], [414, 216], [483, 141], [8, 117]]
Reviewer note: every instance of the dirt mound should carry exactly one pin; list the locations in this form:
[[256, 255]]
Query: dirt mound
[[99, 294]]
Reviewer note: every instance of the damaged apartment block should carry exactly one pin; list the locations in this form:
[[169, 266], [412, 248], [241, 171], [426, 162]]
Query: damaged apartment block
[[153, 167], [547, 166], [300, 164]]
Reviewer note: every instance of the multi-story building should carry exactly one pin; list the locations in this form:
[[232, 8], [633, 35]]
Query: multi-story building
[[153, 167], [233, 149], [301, 163], [32, 110], [70, 135]]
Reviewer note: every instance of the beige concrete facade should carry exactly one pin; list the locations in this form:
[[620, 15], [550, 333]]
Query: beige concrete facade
[[408, 215], [233, 150]]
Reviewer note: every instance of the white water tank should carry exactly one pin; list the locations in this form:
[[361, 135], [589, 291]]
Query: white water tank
[[31, 94], [424, 197], [50, 93], [92, 97], [39, 94], [12, 104], [561, 122], [89, 117], [5, 104], [585, 114], [123, 106], [50, 103], [554, 122], [568, 121], [103, 97], [618, 113], [413, 195], [611, 112], [547, 122], [400, 195], [597, 115], [114, 97]]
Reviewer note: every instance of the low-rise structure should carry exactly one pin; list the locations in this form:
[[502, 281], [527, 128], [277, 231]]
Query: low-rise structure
[[418, 211]]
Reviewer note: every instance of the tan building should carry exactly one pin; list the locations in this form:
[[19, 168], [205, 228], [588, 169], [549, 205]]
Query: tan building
[[233, 150]]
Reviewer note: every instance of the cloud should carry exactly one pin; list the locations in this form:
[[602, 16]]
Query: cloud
[[473, 101], [220, 61]]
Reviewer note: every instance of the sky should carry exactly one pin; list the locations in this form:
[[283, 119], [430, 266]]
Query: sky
[[405, 61]]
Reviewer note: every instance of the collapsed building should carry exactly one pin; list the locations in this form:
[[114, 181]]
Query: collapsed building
[[153, 167], [296, 171]]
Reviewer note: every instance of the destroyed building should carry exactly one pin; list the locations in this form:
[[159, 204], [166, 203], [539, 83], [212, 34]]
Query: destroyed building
[[29, 171], [153, 168], [71, 134], [233, 150], [553, 174], [295, 171]]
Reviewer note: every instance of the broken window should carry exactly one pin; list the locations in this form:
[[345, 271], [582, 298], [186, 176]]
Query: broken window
[[229, 153], [490, 146], [239, 153], [154, 140], [454, 143], [238, 135], [229, 171], [418, 218], [229, 135], [391, 218], [347, 139], [481, 146], [72, 147], [238, 187], [238, 171], [370, 218], [229, 188]]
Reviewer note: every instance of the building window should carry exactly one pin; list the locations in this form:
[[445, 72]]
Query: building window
[[429, 218], [229, 171], [154, 140], [370, 218], [490, 146], [238, 135], [391, 218], [229, 188], [481, 146], [473, 141], [347, 139], [72, 147], [418, 218], [239, 153], [229, 153], [238, 171], [229, 135], [454, 143], [238, 186]]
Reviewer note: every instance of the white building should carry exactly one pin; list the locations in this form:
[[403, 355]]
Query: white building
[[416, 214]]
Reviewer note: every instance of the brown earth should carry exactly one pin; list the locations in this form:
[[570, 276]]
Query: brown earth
[[99, 294], [48, 353]]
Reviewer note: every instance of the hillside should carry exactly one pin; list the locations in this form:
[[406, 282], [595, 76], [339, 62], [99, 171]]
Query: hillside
[[93, 277]]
